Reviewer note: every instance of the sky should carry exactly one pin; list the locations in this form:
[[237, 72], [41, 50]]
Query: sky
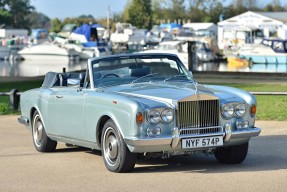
[[98, 8], [75, 8]]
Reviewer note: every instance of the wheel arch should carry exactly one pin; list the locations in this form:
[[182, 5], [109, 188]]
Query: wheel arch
[[32, 111], [100, 127]]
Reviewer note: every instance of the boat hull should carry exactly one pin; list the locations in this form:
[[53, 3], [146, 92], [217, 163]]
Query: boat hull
[[48, 51], [265, 59]]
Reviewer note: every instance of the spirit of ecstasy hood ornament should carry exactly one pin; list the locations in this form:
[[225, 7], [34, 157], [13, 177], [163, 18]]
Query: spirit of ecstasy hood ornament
[[195, 83]]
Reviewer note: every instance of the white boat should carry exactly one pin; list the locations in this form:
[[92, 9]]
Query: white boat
[[5, 53], [270, 51], [48, 51], [86, 50], [179, 48], [9, 53], [87, 40]]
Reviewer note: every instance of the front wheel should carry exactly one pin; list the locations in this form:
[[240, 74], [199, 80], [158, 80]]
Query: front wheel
[[41, 141], [232, 155], [115, 152]]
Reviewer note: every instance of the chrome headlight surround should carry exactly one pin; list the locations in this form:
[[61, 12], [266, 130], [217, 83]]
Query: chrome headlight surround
[[230, 110], [167, 115], [240, 110], [157, 115], [153, 116], [227, 110]]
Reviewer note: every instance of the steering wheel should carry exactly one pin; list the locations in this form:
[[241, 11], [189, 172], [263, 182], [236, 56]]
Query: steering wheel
[[109, 74]]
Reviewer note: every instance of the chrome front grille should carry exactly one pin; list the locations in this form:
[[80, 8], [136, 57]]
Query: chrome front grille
[[201, 131], [198, 114]]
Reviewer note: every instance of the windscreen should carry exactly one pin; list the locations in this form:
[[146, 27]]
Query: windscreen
[[136, 69]]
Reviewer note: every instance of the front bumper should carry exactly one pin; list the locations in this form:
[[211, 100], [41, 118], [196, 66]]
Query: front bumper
[[155, 144], [23, 120]]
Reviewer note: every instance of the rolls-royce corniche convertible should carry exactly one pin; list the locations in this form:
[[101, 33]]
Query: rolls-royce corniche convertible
[[145, 104]]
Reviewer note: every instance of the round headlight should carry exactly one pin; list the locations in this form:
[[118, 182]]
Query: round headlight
[[227, 110], [153, 116], [167, 115], [240, 110]]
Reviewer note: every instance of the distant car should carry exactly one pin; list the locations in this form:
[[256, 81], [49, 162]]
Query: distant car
[[148, 104]]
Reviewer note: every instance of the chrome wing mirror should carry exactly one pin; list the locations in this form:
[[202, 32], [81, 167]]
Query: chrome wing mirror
[[73, 82]]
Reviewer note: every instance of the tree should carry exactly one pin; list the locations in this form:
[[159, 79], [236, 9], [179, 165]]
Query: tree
[[56, 25], [178, 10], [274, 6], [215, 12], [140, 13], [38, 20], [5, 17], [19, 10]]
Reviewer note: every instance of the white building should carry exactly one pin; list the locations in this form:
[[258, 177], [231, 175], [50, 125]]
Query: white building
[[251, 27], [210, 28], [8, 33]]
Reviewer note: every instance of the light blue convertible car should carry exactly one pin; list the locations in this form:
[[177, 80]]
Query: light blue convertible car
[[139, 104]]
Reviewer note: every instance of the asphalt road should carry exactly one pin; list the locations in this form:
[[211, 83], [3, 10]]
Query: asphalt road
[[22, 168]]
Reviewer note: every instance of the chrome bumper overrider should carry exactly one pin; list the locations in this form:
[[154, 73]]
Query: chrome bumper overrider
[[174, 140], [23, 120]]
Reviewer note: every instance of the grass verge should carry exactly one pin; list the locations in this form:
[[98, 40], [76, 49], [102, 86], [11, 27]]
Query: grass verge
[[268, 107]]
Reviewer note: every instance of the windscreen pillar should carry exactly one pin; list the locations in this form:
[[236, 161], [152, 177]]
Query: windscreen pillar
[[191, 49]]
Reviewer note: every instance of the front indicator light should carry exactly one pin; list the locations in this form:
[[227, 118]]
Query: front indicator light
[[253, 110], [139, 118]]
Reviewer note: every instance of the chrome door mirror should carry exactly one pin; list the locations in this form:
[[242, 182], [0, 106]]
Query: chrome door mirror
[[73, 82]]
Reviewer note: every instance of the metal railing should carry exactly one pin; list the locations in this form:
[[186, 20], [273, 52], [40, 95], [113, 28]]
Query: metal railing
[[14, 96], [269, 93]]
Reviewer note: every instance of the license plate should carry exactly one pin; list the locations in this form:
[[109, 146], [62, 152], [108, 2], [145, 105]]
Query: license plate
[[202, 142]]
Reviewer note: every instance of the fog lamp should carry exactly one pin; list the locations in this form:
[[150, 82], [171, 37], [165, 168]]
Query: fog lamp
[[153, 131], [242, 124]]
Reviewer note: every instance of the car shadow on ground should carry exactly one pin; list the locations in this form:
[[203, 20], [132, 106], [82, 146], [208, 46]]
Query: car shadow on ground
[[265, 153], [71, 148]]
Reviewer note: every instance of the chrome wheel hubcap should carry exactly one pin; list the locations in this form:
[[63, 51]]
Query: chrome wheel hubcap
[[110, 146], [38, 131]]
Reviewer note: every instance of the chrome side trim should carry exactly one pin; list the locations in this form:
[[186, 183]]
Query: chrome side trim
[[23, 120], [78, 142]]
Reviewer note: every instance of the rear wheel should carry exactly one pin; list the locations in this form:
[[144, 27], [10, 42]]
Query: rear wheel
[[41, 141], [232, 155], [115, 152]]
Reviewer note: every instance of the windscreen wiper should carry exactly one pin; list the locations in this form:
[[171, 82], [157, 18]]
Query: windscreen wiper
[[174, 76], [148, 75]]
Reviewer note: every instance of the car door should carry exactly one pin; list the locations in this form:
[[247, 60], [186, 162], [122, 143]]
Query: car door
[[66, 113]]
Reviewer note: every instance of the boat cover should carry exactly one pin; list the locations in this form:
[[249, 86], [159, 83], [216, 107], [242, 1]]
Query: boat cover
[[89, 31]]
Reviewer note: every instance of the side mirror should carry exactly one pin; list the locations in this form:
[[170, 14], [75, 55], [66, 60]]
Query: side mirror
[[73, 82]]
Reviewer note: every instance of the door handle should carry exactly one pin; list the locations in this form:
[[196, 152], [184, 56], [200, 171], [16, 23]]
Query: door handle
[[59, 96]]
